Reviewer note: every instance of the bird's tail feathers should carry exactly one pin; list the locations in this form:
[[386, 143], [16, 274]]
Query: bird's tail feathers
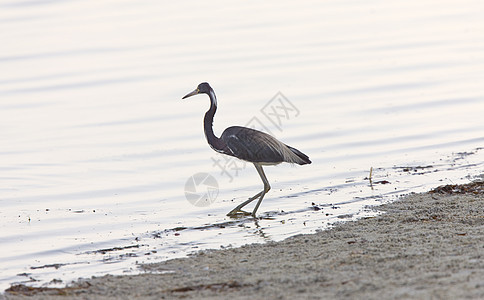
[[303, 159]]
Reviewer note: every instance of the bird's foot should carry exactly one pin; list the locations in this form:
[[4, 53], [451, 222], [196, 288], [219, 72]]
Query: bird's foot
[[238, 213]]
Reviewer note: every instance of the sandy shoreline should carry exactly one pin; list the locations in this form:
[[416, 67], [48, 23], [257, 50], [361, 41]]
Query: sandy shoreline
[[428, 245]]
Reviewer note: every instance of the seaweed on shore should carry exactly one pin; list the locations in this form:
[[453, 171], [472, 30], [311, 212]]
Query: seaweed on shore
[[476, 187]]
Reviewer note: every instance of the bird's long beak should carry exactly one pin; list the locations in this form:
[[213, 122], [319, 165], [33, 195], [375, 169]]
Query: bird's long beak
[[195, 92]]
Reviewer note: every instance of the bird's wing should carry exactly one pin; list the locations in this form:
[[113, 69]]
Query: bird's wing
[[254, 146]]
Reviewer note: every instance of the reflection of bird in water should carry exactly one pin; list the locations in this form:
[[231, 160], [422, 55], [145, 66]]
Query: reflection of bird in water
[[247, 144]]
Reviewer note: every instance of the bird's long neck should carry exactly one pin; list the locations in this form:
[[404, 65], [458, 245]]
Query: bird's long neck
[[212, 140]]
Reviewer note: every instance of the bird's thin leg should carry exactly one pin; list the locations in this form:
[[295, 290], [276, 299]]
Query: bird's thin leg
[[259, 195], [239, 207], [267, 187]]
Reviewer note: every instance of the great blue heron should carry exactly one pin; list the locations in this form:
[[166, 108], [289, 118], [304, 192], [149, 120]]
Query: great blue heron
[[247, 144]]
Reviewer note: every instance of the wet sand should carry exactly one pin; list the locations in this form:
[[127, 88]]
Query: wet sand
[[426, 246]]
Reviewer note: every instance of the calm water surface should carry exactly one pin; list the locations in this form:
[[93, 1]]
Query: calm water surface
[[97, 145]]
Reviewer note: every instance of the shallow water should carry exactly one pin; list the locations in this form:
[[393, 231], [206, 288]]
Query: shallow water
[[97, 145]]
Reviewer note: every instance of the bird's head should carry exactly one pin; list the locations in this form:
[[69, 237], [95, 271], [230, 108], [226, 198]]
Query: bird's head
[[202, 88]]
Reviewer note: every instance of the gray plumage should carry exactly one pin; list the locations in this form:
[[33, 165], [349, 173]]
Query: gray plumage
[[259, 147]]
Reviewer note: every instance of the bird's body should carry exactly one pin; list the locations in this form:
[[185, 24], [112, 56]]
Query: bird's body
[[259, 147], [249, 145]]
